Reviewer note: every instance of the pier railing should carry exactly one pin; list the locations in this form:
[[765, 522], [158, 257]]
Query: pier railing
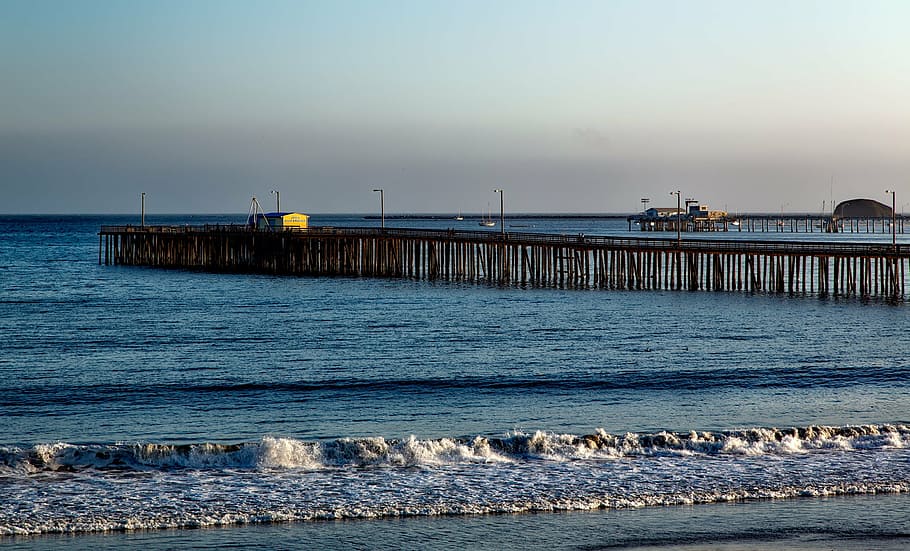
[[564, 260]]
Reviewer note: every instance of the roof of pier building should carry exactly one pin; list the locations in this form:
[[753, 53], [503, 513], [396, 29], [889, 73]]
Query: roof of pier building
[[659, 212], [861, 208]]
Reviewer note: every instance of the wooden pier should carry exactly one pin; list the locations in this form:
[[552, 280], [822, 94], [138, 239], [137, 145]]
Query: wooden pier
[[528, 259]]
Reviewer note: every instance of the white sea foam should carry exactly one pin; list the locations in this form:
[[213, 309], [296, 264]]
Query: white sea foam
[[286, 453], [273, 452], [160, 516]]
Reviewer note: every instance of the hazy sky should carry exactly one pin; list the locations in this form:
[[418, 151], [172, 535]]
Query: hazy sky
[[570, 106]]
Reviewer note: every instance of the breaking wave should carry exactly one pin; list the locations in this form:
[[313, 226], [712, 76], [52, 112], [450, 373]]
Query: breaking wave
[[272, 452], [71, 488]]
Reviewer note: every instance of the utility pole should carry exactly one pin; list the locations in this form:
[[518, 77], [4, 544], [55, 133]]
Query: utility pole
[[678, 218], [277, 200], [502, 215], [142, 215], [893, 216]]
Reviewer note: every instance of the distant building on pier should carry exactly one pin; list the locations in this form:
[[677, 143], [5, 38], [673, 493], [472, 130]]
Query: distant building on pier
[[279, 220], [862, 208], [698, 218], [701, 213]]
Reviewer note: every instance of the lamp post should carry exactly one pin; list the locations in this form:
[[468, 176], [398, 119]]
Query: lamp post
[[381, 206], [277, 200], [678, 217], [142, 215], [893, 211], [643, 215], [502, 215]]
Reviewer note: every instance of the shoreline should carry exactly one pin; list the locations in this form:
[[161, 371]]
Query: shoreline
[[814, 523]]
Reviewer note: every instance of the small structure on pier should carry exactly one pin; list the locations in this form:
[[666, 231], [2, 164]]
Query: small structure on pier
[[258, 219], [279, 220], [659, 219], [862, 208], [701, 213], [698, 218]]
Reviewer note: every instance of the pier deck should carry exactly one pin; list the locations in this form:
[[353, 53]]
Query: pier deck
[[533, 259]]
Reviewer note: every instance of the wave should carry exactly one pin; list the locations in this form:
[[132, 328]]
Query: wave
[[273, 452], [819, 376]]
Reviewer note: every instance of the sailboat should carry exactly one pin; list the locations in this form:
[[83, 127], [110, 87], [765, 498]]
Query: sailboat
[[487, 221], [459, 217]]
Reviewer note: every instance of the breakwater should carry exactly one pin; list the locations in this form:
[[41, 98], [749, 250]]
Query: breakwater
[[532, 259]]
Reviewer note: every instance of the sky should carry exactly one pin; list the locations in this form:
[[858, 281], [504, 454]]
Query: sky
[[568, 106]]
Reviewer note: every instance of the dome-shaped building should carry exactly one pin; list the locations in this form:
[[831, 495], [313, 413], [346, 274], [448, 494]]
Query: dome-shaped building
[[861, 208]]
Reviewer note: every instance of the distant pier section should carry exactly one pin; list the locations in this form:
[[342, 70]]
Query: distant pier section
[[527, 259], [853, 216], [770, 223]]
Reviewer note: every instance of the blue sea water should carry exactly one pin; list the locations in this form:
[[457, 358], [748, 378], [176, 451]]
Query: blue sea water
[[338, 412]]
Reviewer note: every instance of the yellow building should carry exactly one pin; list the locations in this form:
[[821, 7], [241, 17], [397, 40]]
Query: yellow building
[[282, 220]]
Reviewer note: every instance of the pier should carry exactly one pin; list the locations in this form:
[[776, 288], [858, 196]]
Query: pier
[[771, 223], [527, 259]]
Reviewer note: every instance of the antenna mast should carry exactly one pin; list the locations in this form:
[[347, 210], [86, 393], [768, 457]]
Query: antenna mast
[[255, 211]]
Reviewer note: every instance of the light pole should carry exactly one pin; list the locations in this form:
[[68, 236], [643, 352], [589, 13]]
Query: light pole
[[142, 216], [277, 200], [893, 225], [642, 216], [381, 206], [502, 215], [678, 217]]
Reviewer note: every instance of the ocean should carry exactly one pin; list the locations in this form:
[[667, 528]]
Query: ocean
[[181, 409]]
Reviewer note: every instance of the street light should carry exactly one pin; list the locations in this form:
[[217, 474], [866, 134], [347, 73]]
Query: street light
[[893, 225], [142, 216], [678, 238], [381, 206], [277, 199], [502, 215], [644, 210]]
